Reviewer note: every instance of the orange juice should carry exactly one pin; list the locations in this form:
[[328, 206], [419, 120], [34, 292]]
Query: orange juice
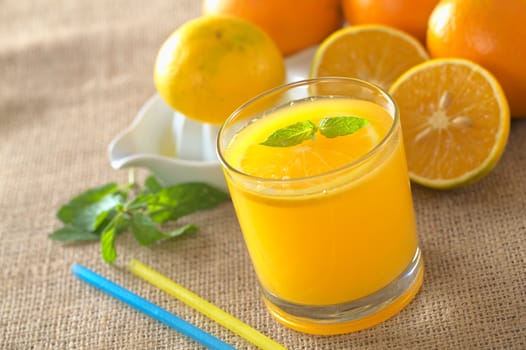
[[328, 221]]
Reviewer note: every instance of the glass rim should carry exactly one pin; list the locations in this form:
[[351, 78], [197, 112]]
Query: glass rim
[[295, 84]]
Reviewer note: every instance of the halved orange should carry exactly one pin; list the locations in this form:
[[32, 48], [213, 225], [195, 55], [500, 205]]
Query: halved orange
[[455, 121], [374, 53]]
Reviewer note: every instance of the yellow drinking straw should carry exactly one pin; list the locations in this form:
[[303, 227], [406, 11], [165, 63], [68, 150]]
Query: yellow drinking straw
[[206, 308]]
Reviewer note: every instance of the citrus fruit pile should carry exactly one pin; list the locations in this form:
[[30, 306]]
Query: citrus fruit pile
[[454, 67]]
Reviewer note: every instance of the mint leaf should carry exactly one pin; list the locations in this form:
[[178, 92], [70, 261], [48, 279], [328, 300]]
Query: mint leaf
[[104, 212], [183, 229], [107, 239], [145, 230], [330, 127], [91, 216], [123, 224], [107, 243], [152, 185], [102, 218], [291, 135], [69, 211], [141, 201], [73, 234], [179, 200], [89, 209], [340, 126]]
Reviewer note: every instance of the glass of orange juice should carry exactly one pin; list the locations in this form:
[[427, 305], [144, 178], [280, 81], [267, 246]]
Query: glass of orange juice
[[318, 178]]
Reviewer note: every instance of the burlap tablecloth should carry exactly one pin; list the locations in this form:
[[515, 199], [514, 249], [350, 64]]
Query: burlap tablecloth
[[73, 75]]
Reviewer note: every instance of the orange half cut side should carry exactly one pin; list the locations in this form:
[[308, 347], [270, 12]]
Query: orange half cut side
[[455, 122], [374, 53]]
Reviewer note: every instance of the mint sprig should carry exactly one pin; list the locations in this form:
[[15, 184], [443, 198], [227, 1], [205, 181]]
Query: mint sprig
[[291, 135], [341, 126], [103, 212], [329, 127]]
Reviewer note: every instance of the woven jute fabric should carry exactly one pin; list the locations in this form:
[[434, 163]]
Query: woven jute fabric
[[73, 75]]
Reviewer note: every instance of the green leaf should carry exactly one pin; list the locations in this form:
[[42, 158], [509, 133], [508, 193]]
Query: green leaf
[[152, 185], [145, 229], [68, 212], [122, 224], [340, 126], [70, 233], [104, 212], [89, 217], [107, 239], [291, 135], [179, 200], [183, 229], [141, 201], [88, 210], [102, 218]]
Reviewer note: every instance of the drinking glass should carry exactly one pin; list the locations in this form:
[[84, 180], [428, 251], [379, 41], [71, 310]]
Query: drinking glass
[[335, 250]]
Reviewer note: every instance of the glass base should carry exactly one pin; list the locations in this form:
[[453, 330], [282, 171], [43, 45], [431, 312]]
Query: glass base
[[352, 316]]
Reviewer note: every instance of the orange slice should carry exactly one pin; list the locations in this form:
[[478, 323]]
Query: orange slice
[[455, 120], [312, 157], [374, 53]]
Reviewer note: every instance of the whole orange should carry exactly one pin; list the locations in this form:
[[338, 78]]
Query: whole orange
[[211, 65], [491, 33], [407, 15], [292, 24]]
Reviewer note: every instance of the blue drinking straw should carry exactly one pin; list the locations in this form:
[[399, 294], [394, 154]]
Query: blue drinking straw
[[148, 308]]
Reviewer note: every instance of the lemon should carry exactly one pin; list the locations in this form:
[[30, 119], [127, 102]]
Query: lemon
[[213, 64]]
